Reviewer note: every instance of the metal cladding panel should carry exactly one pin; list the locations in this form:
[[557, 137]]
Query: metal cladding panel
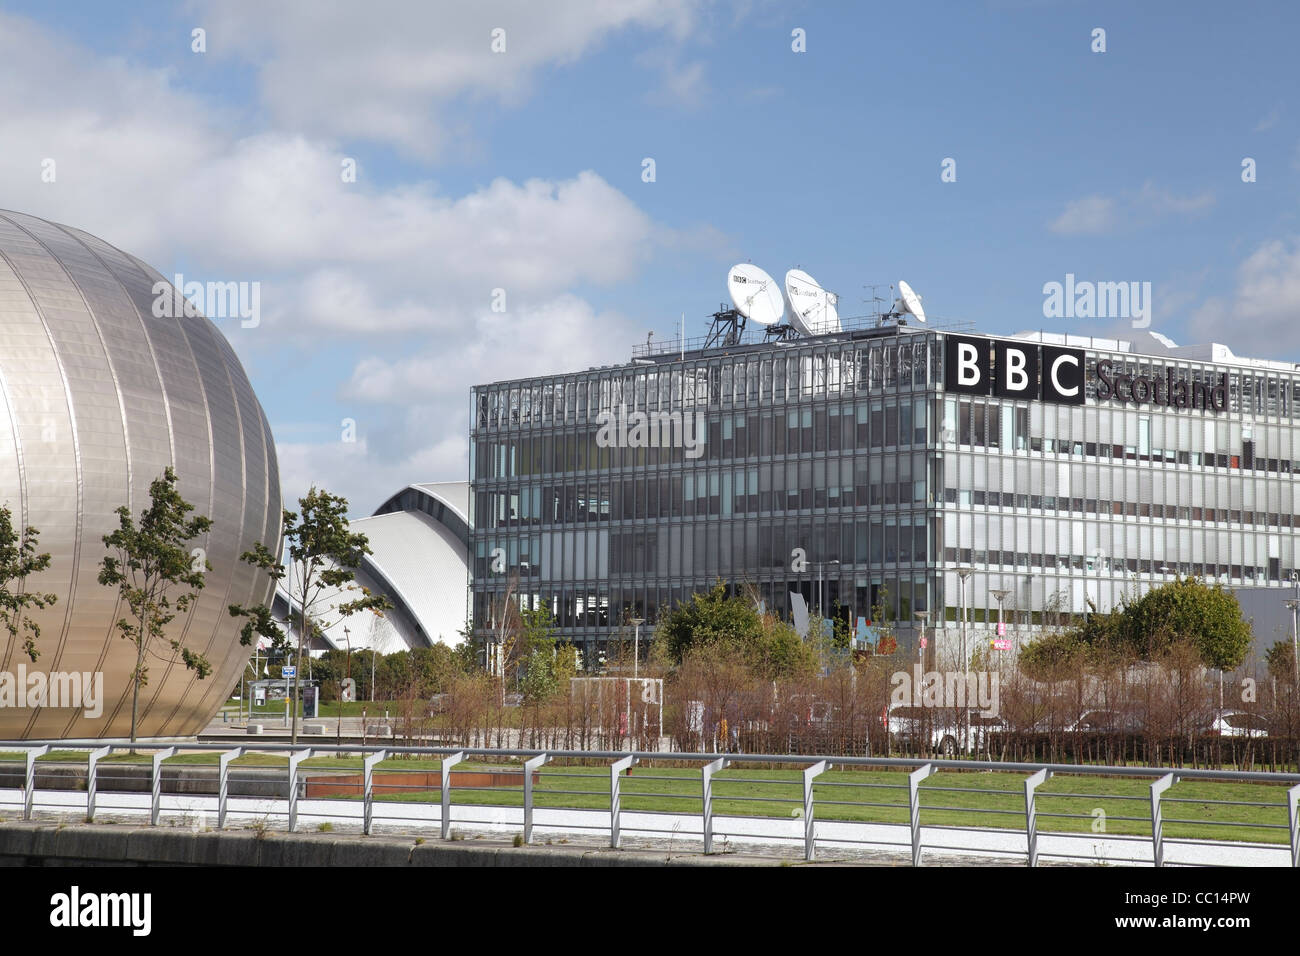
[[97, 396]]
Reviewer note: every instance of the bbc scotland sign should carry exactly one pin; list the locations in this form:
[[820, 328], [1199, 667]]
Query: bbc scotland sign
[[1048, 373], [1013, 370]]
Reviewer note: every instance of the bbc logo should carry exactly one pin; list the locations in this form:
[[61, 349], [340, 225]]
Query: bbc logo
[[1013, 370]]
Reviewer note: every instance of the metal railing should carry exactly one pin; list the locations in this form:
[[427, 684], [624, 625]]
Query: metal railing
[[846, 822]]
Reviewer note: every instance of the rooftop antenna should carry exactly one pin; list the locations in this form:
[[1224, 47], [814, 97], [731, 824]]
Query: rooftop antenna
[[907, 303], [813, 310], [754, 295], [876, 300]]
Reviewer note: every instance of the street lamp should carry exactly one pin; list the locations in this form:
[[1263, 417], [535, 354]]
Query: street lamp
[[338, 730], [1295, 645], [636, 653], [821, 594], [1000, 595], [636, 644], [964, 575]]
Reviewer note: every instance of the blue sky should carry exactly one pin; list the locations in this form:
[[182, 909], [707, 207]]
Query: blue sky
[[522, 170]]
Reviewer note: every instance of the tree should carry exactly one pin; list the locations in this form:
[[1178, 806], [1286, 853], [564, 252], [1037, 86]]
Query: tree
[[18, 560], [769, 646], [150, 562], [1209, 616], [708, 618], [325, 556]]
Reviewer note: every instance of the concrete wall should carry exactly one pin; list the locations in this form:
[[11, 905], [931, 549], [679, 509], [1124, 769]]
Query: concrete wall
[[29, 844]]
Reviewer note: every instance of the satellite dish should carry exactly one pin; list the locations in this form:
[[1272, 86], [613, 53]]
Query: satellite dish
[[910, 301], [812, 309], [755, 294]]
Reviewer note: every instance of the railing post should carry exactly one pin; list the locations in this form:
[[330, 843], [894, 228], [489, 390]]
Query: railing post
[[809, 836], [1157, 821], [1293, 811], [1031, 812], [92, 787], [368, 789], [914, 807], [155, 804], [615, 804], [529, 767], [294, 759], [223, 783], [29, 785], [447, 764], [707, 779]]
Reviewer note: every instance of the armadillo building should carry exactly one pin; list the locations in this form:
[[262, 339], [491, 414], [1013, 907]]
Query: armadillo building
[[98, 395], [885, 466]]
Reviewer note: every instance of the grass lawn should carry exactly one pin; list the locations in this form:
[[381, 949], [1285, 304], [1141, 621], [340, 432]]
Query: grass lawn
[[1066, 803]]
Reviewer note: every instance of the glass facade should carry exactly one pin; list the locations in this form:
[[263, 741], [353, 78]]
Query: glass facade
[[839, 467]]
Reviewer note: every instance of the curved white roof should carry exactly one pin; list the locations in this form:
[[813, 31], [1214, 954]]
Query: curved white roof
[[418, 562]]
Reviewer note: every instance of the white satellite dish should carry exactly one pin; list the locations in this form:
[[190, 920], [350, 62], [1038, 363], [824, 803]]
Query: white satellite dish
[[910, 301], [812, 309], [755, 294]]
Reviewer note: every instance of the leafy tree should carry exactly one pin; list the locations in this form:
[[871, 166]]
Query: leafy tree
[[770, 646], [1186, 609], [149, 563], [1280, 659], [1209, 616], [708, 618], [18, 560], [325, 556]]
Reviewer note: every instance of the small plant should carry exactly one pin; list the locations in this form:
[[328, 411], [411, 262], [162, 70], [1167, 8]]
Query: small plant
[[457, 835], [419, 841], [325, 827], [518, 840], [89, 819]]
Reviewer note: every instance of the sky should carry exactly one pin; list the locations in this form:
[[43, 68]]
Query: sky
[[503, 154]]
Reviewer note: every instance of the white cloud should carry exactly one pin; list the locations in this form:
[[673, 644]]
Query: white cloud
[[155, 170], [385, 72], [1100, 215], [1260, 320], [1083, 217]]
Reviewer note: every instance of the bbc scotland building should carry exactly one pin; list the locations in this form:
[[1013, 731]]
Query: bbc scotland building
[[874, 467]]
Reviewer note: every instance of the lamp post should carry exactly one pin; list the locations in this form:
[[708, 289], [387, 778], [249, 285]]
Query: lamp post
[[821, 591], [1295, 646], [338, 731], [1000, 595], [923, 617], [636, 653], [636, 644], [964, 575]]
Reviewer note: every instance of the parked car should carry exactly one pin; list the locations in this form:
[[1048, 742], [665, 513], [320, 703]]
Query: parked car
[[942, 729], [1104, 722], [1238, 723]]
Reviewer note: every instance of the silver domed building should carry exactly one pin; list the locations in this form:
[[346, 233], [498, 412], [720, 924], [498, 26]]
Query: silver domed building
[[97, 397]]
